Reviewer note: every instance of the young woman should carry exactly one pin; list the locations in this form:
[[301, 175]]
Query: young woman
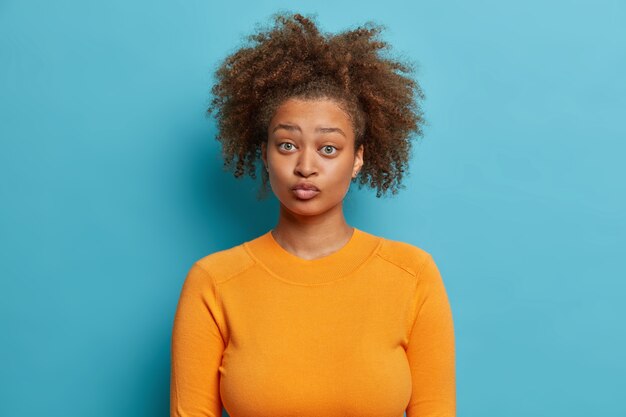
[[315, 318]]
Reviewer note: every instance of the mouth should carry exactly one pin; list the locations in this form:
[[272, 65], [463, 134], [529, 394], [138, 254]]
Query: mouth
[[305, 194]]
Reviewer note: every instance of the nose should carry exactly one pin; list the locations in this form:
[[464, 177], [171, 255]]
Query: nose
[[306, 162]]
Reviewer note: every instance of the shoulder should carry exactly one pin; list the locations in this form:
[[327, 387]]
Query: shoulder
[[224, 264], [416, 261], [404, 255]]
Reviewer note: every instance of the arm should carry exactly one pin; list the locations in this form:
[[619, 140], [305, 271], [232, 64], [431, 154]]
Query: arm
[[430, 350], [197, 347]]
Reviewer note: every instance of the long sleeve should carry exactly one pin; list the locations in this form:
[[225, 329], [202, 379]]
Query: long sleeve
[[196, 349], [431, 351]]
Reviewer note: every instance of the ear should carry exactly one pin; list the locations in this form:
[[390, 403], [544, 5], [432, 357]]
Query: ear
[[358, 161]]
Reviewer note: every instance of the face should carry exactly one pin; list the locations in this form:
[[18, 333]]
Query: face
[[312, 142]]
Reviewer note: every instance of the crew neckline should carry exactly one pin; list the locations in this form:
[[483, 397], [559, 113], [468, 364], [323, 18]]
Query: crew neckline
[[280, 248], [289, 267]]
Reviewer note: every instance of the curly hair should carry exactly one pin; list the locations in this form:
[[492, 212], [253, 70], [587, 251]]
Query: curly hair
[[293, 59]]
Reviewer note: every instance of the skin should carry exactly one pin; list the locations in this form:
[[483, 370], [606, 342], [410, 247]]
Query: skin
[[298, 150]]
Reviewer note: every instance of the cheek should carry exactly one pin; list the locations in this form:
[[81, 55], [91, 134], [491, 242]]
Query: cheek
[[340, 175], [343, 169]]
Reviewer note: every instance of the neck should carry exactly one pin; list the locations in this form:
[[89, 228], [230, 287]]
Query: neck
[[312, 237]]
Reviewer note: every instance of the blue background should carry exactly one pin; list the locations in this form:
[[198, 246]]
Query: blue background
[[111, 186]]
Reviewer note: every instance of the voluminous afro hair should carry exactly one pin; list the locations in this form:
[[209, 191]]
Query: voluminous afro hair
[[293, 59]]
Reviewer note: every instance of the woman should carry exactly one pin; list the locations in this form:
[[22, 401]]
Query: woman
[[315, 317]]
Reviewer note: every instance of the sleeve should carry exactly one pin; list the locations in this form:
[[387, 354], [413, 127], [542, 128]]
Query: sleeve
[[430, 349], [196, 349]]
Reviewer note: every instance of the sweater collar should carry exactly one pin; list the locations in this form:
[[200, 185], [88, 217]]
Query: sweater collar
[[289, 267]]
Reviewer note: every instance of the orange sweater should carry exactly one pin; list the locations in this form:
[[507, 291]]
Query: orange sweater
[[364, 331]]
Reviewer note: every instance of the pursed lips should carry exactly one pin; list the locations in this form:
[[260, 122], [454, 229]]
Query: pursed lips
[[305, 191]]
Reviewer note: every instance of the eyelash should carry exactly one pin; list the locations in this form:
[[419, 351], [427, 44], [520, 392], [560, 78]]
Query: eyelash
[[325, 146]]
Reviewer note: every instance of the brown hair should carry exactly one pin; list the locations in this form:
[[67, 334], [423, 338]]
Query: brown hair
[[293, 58]]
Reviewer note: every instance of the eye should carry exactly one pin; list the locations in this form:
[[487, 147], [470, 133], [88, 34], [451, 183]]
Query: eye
[[326, 147], [290, 146]]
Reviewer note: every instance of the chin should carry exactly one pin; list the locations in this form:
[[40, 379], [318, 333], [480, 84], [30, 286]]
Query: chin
[[307, 207], [302, 208]]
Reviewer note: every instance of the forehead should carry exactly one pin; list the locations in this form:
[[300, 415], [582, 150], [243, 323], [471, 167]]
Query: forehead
[[311, 112]]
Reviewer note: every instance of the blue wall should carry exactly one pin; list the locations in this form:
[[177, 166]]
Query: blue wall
[[111, 186]]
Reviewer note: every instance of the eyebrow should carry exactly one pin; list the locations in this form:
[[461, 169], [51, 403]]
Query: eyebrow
[[319, 129]]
